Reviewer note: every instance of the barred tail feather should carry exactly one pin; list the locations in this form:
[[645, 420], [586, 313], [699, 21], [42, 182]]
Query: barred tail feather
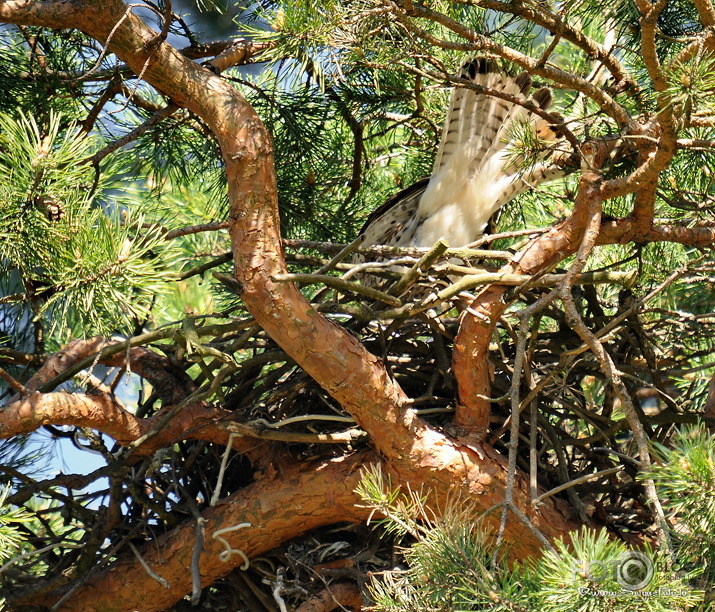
[[475, 172], [474, 123]]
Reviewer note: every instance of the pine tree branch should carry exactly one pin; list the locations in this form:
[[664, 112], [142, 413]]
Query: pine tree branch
[[649, 25], [357, 379], [477, 42], [621, 231], [558, 27], [196, 229], [240, 52], [302, 487], [706, 11]]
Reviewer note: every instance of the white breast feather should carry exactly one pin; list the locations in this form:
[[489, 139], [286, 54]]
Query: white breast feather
[[472, 177], [457, 206]]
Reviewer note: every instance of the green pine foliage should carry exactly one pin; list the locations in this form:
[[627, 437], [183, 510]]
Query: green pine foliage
[[686, 480], [11, 538], [595, 573], [76, 256], [451, 564]]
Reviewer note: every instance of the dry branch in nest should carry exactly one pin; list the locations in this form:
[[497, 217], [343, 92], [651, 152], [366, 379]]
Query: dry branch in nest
[[575, 440]]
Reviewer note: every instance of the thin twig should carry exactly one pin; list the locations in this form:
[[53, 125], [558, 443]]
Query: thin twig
[[15, 384], [338, 283], [576, 481], [421, 266], [156, 118], [162, 581]]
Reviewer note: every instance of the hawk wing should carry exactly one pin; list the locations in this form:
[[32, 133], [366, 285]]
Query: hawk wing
[[474, 172], [396, 218]]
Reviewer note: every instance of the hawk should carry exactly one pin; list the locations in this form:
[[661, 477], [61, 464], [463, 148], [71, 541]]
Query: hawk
[[476, 171]]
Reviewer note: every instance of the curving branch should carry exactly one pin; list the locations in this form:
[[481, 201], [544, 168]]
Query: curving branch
[[269, 506], [478, 42], [198, 421], [357, 379], [478, 322]]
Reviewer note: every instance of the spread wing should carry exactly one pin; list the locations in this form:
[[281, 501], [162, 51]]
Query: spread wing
[[475, 171], [395, 218]]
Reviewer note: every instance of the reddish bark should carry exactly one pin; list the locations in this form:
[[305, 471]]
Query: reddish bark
[[706, 12], [75, 351], [471, 346], [296, 500], [343, 595], [99, 411], [299, 498]]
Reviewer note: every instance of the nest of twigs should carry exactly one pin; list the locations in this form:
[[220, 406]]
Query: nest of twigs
[[574, 440]]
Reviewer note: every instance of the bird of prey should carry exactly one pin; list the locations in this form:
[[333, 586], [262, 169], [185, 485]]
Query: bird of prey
[[476, 171]]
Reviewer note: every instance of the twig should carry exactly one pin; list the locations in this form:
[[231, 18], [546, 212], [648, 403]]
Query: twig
[[303, 418], [346, 251], [196, 229], [513, 445], [576, 481], [350, 436], [162, 581], [338, 283], [205, 267], [222, 470], [157, 117], [15, 384], [195, 559], [226, 554], [424, 263], [278, 588]]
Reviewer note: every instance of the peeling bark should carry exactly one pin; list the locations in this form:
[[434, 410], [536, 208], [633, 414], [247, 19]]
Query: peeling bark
[[299, 498], [295, 501]]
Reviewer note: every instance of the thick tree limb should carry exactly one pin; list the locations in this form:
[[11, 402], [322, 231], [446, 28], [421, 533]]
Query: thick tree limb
[[305, 496], [197, 421], [281, 509]]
